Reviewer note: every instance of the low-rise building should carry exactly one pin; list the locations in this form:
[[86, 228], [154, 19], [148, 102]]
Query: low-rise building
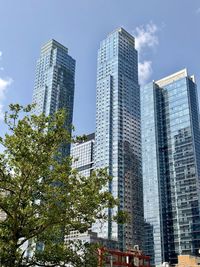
[[188, 261]]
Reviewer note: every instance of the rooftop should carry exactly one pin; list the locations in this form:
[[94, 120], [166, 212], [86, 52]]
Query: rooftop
[[51, 44], [172, 78], [123, 31]]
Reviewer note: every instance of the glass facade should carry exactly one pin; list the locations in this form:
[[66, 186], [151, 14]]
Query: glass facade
[[117, 137], [170, 132], [54, 81], [83, 155], [152, 172], [83, 160]]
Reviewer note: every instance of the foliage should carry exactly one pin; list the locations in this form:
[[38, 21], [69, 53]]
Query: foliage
[[41, 196]]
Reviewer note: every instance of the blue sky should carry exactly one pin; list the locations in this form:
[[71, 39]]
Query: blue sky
[[167, 35]]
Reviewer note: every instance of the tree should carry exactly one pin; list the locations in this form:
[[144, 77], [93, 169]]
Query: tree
[[41, 196]]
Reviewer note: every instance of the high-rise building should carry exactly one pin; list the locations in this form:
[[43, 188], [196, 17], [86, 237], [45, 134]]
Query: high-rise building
[[83, 155], [54, 90], [54, 81], [171, 167], [117, 136]]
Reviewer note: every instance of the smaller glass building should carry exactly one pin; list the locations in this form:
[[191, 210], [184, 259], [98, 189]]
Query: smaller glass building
[[83, 155], [171, 167]]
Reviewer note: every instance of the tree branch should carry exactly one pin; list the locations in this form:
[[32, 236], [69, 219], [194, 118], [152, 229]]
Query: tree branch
[[6, 211]]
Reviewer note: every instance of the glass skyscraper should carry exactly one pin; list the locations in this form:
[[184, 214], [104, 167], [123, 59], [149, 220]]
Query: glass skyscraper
[[171, 167], [117, 136], [54, 81]]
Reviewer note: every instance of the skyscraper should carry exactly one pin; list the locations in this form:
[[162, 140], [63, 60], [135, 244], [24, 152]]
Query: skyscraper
[[54, 81], [54, 90], [82, 154], [171, 167], [117, 136]]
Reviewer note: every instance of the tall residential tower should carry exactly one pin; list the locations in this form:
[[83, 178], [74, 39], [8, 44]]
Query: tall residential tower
[[54, 81], [171, 167], [117, 137]]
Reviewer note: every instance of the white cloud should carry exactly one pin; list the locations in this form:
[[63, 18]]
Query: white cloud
[[4, 83], [144, 71], [145, 36]]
